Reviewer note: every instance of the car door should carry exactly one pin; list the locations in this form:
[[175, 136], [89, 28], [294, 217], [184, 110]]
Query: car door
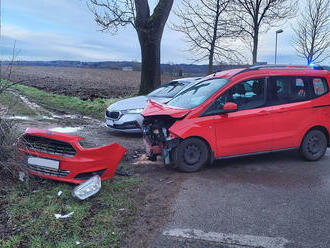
[[248, 130], [292, 111]]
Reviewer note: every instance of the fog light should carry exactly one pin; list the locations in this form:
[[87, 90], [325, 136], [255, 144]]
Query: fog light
[[88, 188]]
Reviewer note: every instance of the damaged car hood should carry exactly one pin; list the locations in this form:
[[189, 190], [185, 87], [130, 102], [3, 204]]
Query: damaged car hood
[[156, 108]]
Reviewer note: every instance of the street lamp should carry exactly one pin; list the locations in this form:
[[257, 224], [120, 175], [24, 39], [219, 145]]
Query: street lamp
[[277, 32]]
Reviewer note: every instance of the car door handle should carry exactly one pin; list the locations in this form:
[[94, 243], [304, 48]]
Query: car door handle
[[263, 112]]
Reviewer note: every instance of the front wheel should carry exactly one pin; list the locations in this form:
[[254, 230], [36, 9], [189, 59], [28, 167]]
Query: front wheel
[[191, 155], [314, 145]]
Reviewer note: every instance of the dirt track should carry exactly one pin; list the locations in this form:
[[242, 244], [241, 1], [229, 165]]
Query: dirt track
[[82, 82]]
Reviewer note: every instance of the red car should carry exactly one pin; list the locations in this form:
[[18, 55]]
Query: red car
[[60, 156], [242, 112]]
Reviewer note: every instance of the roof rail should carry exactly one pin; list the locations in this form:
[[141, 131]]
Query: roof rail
[[270, 66], [315, 67]]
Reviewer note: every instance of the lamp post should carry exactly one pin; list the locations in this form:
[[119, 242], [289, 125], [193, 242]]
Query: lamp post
[[277, 32]]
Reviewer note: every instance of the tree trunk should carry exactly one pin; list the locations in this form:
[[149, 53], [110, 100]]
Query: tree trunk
[[150, 30], [210, 68], [214, 38], [255, 46], [150, 66]]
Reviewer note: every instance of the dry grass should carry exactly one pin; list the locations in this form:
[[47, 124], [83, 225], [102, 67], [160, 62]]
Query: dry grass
[[10, 159]]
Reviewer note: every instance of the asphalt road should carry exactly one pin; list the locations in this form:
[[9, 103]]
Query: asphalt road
[[276, 200]]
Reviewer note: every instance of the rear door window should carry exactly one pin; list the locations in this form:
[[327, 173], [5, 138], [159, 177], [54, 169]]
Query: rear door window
[[283, 90], [320, 86]]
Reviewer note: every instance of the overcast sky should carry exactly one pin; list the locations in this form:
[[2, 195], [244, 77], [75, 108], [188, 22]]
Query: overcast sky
[[65, 30]]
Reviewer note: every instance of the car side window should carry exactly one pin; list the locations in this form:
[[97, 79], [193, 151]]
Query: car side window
[[247, 95], [320, 86], [283, 90]]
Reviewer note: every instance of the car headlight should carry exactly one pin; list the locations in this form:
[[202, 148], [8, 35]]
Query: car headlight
[[87, 188], [133, 111]]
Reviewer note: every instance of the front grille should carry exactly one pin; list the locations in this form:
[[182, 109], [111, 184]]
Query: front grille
[[49, 146], [113, 114], [127, 125], [45, 171]]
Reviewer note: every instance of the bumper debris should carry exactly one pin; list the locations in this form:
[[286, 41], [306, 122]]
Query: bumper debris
[[60, 156]]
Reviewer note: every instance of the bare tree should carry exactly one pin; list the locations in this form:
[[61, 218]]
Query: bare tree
[[207, 27], [10, 160], [110, 15], [312, 34], [258, 16]]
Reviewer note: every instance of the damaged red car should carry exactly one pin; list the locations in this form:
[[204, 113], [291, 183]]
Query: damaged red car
[[60, 156], [242, 112]]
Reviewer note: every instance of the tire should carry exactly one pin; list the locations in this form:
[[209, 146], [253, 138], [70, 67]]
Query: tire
[[314, 145], [191, 155]]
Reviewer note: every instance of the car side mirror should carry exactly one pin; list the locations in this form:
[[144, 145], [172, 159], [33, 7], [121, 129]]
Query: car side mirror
[[230, 107]]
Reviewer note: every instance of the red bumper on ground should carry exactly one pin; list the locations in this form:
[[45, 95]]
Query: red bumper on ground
[[60, 156]]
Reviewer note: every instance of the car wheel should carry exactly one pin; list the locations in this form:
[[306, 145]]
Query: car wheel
[[314, 145], [191, 155]]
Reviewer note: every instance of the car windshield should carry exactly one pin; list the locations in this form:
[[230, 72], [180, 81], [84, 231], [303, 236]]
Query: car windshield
[[198, 93], [169, 89]]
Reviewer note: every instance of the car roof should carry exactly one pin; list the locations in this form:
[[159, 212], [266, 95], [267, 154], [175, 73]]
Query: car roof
[[273, 69]]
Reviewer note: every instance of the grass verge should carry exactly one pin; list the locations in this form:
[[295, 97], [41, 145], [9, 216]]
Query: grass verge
[[15, 105], [27, 215], [95, 108]]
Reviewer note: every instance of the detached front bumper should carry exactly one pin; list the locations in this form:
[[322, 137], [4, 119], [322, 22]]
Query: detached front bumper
[[60, 156]]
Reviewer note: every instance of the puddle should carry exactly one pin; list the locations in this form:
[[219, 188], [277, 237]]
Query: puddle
[[65, 129], [46, 117], [26, 118], [21, 118], [32, 105], [71, 116]]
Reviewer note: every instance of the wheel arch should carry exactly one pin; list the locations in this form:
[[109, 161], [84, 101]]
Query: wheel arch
[[320, 128], [212, 157]]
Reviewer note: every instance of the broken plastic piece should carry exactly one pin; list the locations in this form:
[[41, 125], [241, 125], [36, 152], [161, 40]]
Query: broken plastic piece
[[60, 193], [59, 216], [21, 176], [88, 188]]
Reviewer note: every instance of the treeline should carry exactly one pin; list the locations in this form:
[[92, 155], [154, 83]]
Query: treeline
[[173, 69]]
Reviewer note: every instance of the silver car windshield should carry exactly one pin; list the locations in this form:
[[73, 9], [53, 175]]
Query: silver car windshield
[[169, 90], [198, 93]]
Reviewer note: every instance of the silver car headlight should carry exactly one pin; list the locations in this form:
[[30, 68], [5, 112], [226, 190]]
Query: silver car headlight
[[133, 111]]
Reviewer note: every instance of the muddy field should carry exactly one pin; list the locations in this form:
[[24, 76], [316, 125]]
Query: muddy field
[[82, 82]]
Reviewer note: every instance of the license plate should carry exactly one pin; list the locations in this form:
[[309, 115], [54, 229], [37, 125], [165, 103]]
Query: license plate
[[42, 162], [110, 122]]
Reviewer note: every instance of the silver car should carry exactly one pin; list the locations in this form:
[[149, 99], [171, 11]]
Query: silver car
[[125, 115]]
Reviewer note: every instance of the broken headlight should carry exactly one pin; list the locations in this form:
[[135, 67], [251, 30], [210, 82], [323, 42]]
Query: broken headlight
[[87, 188]]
